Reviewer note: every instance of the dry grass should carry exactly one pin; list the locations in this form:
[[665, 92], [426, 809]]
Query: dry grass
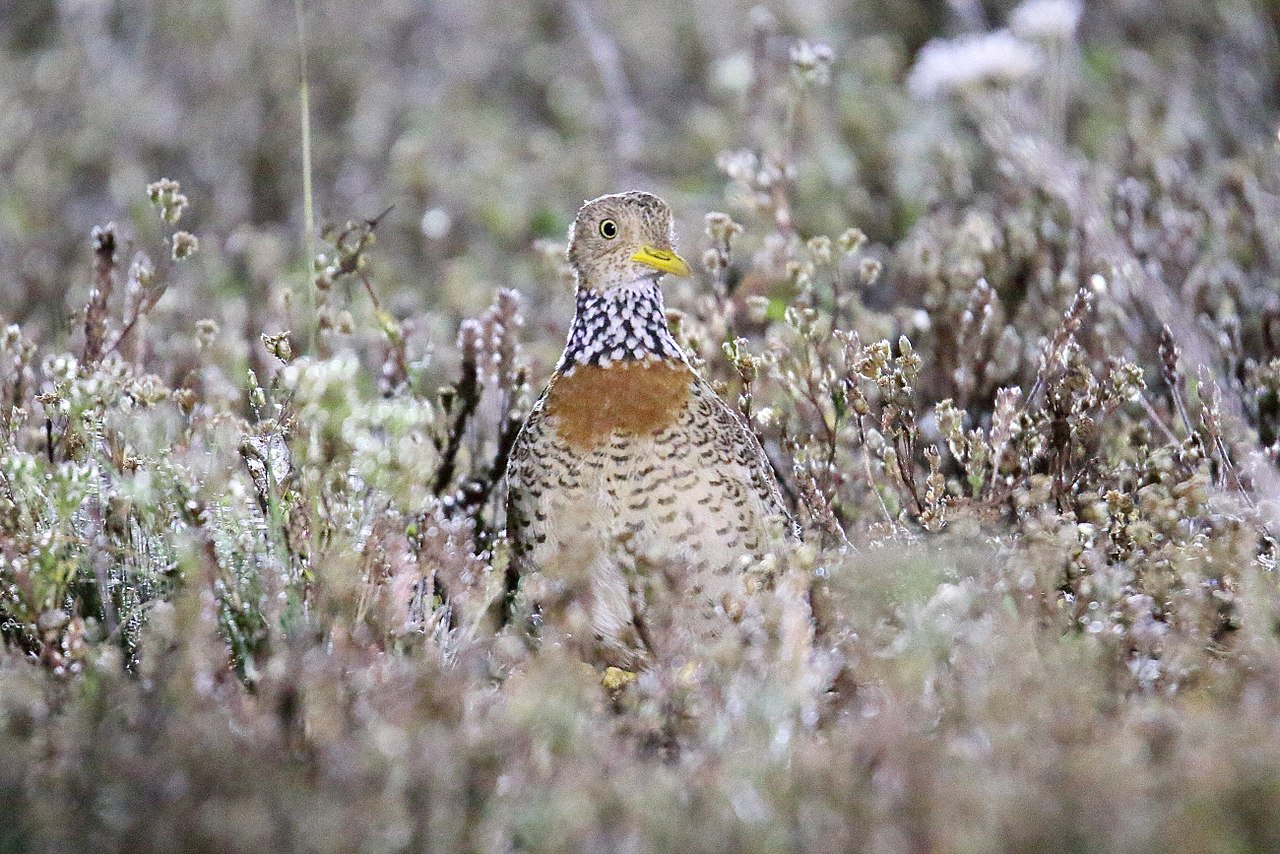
[[1003, 309]]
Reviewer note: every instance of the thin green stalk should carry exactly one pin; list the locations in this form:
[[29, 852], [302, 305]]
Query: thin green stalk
[[308, 208]]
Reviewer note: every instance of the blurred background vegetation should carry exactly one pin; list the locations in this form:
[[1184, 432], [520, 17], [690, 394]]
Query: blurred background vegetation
[[495, 121], [997, 283]]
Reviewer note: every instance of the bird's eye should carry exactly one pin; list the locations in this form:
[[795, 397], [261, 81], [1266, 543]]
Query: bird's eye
[[608, 229]]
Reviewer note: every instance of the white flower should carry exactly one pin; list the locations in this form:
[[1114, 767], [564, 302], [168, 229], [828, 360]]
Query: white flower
[[436, 223], [1046, 20], [739, 166], [734, 73], [811, 61], [946, 66]]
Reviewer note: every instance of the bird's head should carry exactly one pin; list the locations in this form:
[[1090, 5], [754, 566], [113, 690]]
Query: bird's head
[[623, 239]]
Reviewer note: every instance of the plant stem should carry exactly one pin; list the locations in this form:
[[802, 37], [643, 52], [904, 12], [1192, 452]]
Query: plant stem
[[308, 207]]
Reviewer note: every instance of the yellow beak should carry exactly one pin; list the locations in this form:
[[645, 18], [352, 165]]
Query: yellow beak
[[664, 260]]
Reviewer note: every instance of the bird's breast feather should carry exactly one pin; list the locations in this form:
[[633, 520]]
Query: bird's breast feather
[[593, 402]]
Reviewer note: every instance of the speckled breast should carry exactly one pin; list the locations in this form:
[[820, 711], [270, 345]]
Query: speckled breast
[[640, 457]]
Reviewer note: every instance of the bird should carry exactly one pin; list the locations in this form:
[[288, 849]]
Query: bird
[[629, 462]]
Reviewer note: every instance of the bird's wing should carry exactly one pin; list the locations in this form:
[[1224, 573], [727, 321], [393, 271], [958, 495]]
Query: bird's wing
[[524, 487], [747, 457]]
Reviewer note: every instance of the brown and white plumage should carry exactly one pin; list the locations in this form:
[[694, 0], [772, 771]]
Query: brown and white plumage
[[630, 459]]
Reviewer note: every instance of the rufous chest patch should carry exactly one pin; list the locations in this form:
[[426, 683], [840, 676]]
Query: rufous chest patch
[[593, 402]]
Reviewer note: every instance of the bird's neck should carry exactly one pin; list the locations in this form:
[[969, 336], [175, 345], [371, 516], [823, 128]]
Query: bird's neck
[[619, 324]]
